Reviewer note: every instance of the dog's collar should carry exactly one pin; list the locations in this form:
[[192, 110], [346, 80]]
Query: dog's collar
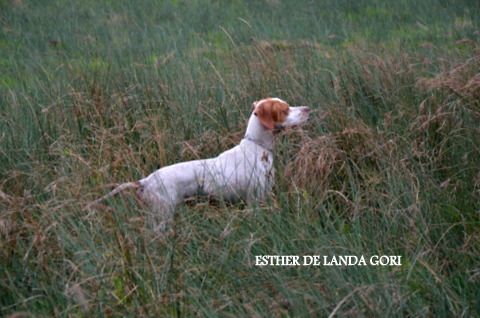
[[258, 143]]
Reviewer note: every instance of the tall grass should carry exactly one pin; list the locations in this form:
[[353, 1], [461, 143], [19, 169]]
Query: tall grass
[[98, 92]]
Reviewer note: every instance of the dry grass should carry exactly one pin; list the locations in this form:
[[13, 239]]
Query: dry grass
[[388, 163], [462, 79]]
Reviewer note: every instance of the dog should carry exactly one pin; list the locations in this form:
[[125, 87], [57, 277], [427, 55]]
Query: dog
[[243, 172]]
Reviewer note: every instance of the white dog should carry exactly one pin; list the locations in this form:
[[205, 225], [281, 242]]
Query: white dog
[[243, 172]]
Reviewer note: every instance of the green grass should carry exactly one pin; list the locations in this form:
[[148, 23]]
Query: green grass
[[98, 92]]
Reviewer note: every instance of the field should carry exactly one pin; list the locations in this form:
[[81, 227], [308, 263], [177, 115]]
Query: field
[[94, 93]]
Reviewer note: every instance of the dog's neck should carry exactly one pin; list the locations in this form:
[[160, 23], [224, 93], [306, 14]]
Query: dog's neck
[[258, 134]]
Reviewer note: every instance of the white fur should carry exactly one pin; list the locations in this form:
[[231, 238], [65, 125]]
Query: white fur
[[243, 172]]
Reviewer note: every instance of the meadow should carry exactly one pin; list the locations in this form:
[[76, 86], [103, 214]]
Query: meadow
[[94, 93]]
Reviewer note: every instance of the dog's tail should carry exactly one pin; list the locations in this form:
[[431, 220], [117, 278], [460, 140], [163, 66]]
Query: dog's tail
[[118, 189]]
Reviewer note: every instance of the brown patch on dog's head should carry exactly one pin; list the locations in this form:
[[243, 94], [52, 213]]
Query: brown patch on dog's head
[[271, 111]]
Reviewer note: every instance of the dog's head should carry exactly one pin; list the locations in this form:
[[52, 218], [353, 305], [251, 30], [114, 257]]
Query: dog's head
[[275, 113]]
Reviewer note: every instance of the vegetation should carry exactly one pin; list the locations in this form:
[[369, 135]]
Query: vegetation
[[94, 93]]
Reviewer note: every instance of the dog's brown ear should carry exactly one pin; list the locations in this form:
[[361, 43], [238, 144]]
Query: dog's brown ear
[[264, 114]]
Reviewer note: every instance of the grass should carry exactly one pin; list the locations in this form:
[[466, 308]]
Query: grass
[[99, 92]]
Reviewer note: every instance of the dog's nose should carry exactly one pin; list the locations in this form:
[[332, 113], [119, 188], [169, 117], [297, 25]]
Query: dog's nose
[[305, 109]]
